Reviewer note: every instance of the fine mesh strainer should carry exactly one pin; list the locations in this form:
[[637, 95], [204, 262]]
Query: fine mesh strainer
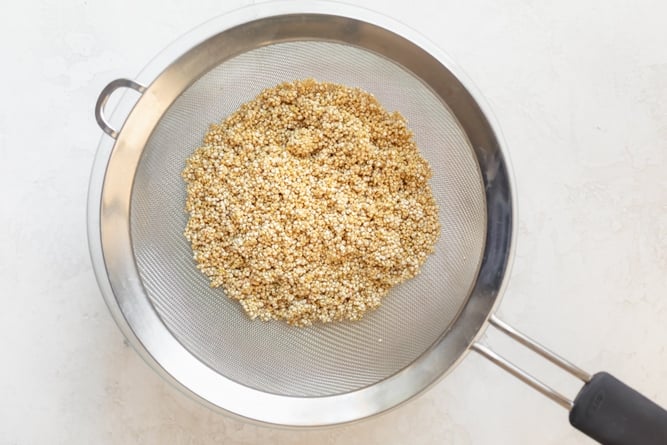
[[326, 374]]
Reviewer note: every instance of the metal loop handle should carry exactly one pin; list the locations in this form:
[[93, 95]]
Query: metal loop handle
[[104, 97], [523, 375]]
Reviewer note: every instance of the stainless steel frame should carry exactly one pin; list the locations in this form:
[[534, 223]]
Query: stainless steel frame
[[111, 187], [525, 377]]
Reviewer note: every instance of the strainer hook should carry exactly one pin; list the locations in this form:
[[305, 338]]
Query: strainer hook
[[104, 97]]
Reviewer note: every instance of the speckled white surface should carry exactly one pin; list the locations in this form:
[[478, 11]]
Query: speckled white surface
[[580, 90]]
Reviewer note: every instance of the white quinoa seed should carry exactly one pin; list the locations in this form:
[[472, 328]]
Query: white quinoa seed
[[309, 203]]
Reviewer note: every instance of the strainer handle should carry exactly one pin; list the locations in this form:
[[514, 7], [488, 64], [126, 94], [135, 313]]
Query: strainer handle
[[605, 408], [612, 413], [104, 97]]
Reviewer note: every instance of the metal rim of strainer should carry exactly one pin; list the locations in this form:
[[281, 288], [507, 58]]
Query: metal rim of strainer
[[111, 186]]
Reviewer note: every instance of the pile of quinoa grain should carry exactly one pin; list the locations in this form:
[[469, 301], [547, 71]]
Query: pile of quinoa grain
[[309, 203]]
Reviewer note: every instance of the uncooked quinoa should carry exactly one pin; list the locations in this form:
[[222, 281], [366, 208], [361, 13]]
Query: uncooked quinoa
[[309, 203]]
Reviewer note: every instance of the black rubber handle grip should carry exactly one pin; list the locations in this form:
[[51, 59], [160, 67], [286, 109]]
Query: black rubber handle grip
[[612, 413]]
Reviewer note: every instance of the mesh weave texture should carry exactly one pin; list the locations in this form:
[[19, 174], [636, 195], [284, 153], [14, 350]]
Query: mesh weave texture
[[323, 359]]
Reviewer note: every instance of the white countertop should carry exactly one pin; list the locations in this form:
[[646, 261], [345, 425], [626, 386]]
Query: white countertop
[[580, 91]]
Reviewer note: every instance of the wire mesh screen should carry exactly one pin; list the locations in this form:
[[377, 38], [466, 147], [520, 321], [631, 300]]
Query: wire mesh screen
[[323, 359]]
